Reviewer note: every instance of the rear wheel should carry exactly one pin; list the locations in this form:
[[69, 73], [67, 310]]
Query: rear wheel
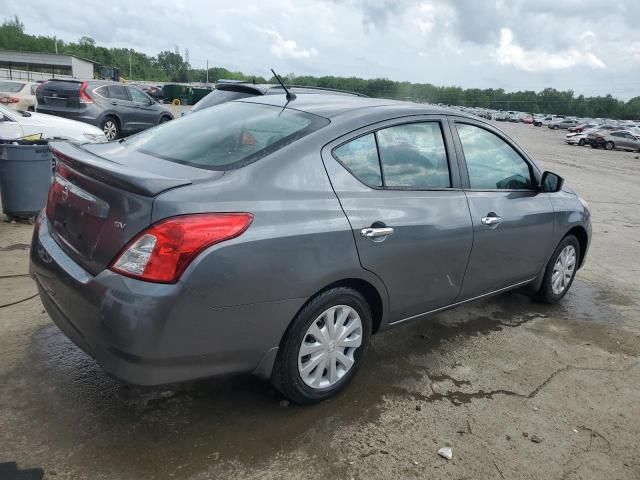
[[110, 128], [609, 145], [324, 346], [164, 119], [560, 271], [555, 127]]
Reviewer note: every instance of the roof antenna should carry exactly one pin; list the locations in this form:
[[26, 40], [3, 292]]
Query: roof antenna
[[290, 96]]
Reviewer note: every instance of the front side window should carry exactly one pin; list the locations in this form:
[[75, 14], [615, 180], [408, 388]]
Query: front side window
[[413, 155], [491, 162], [138, 96], [226, 136], [360, 156]]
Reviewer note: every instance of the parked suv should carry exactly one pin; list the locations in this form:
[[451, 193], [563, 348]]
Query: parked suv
[[115, 108], [275, 236]]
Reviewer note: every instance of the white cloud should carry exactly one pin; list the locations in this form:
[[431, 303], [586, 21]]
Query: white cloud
[[510, 53], [283, 48]]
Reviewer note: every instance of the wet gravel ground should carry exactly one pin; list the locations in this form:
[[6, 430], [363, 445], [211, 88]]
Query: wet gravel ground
[[517, 389]]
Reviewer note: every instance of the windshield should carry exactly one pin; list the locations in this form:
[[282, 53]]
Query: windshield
[[217, 97], [226, 136], [11, 87]]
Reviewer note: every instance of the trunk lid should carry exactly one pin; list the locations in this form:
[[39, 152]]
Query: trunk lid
[[102, 196]]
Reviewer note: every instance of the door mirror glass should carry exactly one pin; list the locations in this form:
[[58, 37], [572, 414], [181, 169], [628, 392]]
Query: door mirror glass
[[551, 182]]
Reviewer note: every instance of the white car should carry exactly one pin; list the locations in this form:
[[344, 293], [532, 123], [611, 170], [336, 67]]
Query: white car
[[15, 124], [18, 95], [579, 138]]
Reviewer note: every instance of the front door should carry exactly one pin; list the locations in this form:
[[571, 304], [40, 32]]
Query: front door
[[144, 113], [512, 219], [401, 193]]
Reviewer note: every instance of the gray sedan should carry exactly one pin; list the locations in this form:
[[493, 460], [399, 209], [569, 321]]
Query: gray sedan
[[275, 236]]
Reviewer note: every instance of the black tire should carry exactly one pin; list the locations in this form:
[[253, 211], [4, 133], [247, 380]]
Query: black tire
[[581, 142], [164, 119], [609, 145], [555, 127], [545, 293], [111, 128], [286, 377]]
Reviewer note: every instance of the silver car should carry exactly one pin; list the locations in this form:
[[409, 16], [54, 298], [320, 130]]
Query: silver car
[[618, 139], [276, 235]]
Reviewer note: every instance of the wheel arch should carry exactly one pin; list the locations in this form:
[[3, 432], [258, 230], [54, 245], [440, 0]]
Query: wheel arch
[[580, 233]]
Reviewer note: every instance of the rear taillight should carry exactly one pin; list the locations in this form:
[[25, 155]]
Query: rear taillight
[[9, 99], [83, 95], [162, 252]]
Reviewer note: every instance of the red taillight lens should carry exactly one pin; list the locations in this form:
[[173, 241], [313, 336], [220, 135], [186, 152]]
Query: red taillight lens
[[41, 86], [9, 99], [163, 251], [83, 95]]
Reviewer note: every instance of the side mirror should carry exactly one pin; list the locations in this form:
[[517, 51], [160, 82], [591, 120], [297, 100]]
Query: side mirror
[[551, 182]]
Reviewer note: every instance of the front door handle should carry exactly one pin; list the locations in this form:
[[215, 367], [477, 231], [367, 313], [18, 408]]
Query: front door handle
[[491, 220], [372, 232]]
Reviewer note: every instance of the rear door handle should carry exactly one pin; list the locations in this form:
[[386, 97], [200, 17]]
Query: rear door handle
[[491, 220], [371, 232]]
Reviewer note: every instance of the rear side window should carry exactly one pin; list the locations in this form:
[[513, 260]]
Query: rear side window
[[217, 97], [118, 92], [360, 156], [491, 162], [414, 156], [226, 136]]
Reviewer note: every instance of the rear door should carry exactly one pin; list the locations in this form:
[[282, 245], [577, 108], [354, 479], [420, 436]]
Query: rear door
[[145, 114], [399, 185], [512, 219]]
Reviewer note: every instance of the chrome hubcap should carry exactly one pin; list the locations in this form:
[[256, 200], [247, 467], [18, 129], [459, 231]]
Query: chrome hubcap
[[563, 270], [110, 130], [327, 349]]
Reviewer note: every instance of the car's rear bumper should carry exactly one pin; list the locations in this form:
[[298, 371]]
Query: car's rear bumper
[[152, 334]]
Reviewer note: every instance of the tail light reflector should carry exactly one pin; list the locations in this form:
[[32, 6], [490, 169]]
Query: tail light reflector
[[162, 252], [83, 95], [9, 99]]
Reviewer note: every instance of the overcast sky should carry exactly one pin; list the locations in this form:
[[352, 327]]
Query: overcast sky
[[590, 46]]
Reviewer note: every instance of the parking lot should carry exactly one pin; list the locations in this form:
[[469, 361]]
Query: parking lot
[[518, 390]]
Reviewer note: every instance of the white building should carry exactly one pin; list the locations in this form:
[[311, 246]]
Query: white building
[[43, 66]]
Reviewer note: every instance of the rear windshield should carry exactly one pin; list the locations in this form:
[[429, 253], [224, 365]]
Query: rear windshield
[[217, 97], [226, 136], [11, 87]]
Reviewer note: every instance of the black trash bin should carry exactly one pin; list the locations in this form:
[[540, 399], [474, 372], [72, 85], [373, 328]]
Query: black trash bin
[[25, 177]]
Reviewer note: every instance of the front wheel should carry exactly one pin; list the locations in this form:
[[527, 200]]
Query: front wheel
[[581, 142], [609, 146], [324, 346], [560, 271], [555, 127]]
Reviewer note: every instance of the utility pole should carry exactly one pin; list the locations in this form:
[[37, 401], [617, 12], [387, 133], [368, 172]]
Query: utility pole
[[207, 70]]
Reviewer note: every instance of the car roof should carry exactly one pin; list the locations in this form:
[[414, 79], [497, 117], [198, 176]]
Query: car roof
[[335, 105]]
